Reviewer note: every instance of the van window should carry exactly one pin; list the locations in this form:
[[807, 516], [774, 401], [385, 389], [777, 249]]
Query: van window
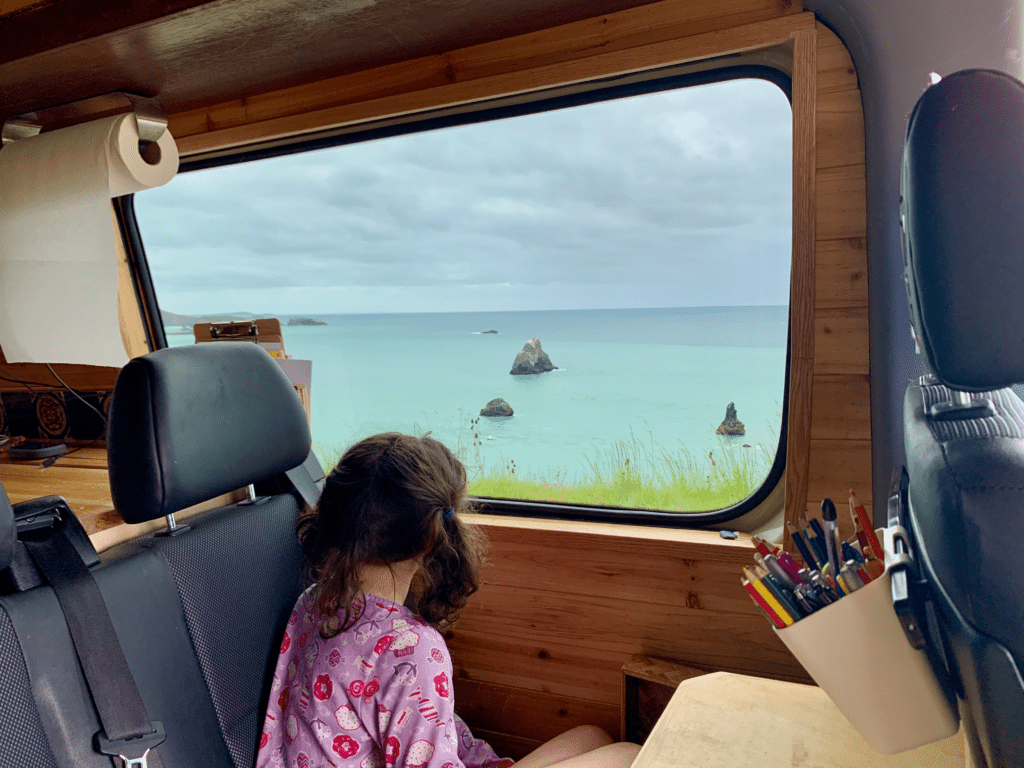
[[644, 244]]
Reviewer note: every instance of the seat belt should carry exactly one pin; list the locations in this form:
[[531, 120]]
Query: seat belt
[[127, 732], [307, 479]]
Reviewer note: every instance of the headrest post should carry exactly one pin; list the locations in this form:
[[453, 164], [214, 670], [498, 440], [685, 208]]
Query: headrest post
[[172, 529], [251, 491]]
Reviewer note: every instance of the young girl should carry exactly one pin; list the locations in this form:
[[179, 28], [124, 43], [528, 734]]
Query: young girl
[[362, 680]]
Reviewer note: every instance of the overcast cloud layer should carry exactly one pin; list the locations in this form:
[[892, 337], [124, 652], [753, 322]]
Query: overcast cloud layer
[[665, 200]]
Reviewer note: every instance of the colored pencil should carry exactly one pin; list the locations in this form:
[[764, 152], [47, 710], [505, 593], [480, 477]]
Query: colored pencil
[[774, 604], [805, 551], [861, 515], [760, 602]]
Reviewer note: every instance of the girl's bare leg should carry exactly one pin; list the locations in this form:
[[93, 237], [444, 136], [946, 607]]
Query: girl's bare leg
[[584, 747]]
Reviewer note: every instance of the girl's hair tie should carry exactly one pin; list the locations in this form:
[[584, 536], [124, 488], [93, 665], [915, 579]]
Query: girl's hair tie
[[449, 513]]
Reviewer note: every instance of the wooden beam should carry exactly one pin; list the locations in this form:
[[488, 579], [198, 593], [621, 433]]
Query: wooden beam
[[433, 82], [801, 302]]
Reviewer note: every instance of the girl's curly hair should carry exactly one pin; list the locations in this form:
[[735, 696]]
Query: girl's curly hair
[[385, 502]]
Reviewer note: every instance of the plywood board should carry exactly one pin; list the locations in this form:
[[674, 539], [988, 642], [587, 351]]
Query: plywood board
[[731, 721]]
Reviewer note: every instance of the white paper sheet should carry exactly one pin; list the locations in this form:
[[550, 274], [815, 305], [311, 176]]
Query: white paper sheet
[[58, 264]]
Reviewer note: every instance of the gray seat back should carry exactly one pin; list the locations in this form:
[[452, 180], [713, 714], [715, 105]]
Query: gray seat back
[[962, 205], [194, 422]]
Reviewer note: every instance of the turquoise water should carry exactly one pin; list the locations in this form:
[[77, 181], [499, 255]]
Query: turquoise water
[[661, 375]]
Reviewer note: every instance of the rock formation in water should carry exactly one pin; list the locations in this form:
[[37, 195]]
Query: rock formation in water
[[306, 321], [497, 407], [488, 331], [532, 359], [730, 425]]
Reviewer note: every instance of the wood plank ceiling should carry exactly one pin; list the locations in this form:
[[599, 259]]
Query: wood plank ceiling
[[189, 53]]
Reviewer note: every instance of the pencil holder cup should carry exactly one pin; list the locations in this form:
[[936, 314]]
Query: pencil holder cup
[[857, 652]]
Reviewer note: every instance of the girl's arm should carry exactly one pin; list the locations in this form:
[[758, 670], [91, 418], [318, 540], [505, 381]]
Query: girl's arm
[[477, 752]]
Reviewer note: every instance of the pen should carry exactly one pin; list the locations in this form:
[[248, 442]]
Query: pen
[[828, 514], [784, 595], [805, 552], [816, 527], [775, 569], [818, 547], [791, 567], [807, 604], [818, 580], [850, 553], [850, 577]]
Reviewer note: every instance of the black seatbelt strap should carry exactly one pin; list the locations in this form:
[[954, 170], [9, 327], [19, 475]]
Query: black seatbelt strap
[[308, 480], [127, 732]]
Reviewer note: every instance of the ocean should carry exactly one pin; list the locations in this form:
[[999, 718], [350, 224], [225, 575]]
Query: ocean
[[660, 376]]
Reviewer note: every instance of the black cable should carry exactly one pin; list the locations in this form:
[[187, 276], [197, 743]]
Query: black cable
[[54, 459], [8, 376], [87, 403]]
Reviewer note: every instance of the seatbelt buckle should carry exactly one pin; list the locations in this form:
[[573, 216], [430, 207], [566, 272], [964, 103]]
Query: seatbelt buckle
[[132, 752]]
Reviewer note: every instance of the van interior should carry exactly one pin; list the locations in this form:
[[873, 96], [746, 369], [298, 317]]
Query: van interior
[[868, 154]]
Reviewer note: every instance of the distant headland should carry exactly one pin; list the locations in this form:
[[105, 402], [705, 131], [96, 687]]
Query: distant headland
[[181, 324]]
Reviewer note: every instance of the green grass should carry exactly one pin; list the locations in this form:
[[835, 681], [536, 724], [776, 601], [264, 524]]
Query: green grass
[[630, 473]]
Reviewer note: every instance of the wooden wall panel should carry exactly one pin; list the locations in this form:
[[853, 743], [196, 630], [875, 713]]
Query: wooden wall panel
[[541, 715], [840, 450], [840, 129], [842, 276], [842, 202], [802, 276], [564, 605], [671, 32]]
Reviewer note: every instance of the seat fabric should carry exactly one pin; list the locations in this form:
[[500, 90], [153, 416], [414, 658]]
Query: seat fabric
[[238, 571], [967, 519], [22, 738]]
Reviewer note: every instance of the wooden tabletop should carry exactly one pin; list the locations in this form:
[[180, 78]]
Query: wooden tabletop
[[81, 478], [723, 720]]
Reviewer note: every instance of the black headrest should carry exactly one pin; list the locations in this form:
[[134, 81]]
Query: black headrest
[[8, 531], [963, 217], [190, 423]]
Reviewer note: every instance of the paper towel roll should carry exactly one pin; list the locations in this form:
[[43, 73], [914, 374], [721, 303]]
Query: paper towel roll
[[129, 172], [58, 264]]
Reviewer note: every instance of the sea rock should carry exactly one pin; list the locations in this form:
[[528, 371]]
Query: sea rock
[[488, 331], [730, 425], [532, 359], [306, 321], [497, 407]]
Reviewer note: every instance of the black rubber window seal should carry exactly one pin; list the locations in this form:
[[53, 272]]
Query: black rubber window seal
[[511, 507]]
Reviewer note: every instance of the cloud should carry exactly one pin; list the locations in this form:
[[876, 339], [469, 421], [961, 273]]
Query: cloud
[[668, 199]]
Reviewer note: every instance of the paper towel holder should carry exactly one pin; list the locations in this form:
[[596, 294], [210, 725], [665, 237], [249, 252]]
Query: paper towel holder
[[151, 118]]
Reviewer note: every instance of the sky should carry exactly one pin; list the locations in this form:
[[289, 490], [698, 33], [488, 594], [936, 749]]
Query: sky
[[679, 198]]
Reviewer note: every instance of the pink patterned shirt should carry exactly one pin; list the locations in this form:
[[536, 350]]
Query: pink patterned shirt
[[377, 695]]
